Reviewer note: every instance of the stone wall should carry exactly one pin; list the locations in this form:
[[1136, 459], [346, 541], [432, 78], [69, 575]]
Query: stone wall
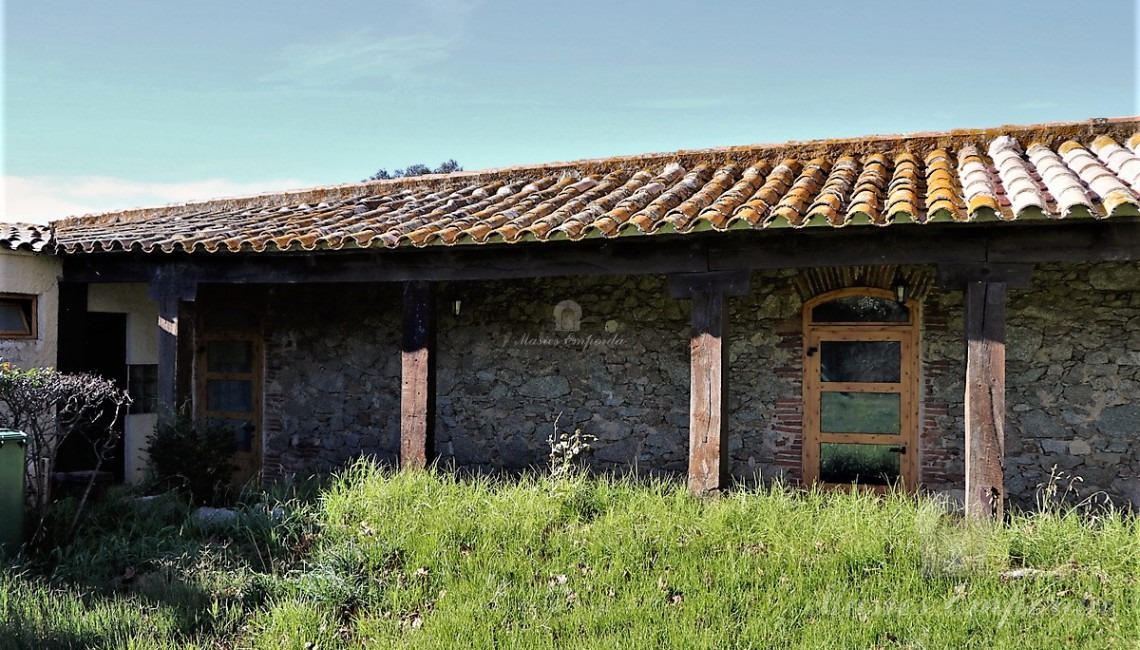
[[765, 380], [505, 374], [942, 461], [1073, 381], [332, 380]]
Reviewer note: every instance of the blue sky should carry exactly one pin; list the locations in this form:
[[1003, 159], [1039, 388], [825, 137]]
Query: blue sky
[[111, 105]]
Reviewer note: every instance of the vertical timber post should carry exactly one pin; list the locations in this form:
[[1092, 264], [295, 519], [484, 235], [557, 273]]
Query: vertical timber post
[[708, 421], [708, 384], [170, 298], [417, 391], [985, 399]]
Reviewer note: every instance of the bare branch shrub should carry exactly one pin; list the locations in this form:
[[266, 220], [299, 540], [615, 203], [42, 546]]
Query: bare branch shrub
[[49, 406]]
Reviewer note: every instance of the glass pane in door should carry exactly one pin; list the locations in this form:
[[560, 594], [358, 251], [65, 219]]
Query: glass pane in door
[[860, 361], [857, 463], [860, 309], [842, 412], [229, 395], [229, 356], [242, 430]]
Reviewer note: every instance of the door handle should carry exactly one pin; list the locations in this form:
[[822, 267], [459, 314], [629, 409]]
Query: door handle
[[898, 450]]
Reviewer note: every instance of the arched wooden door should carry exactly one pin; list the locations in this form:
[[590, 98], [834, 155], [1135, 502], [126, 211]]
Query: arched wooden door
[[861, 389]]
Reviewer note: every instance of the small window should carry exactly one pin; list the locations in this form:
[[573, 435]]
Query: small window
[[17, 316], [142, 386]]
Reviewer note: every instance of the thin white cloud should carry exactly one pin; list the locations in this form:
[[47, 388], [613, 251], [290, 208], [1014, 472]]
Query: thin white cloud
[[677, 103], [357, 57], [1037, 104], [425, 37], [39, 199]]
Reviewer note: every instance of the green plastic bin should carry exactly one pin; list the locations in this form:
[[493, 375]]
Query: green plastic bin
[[11, 490]]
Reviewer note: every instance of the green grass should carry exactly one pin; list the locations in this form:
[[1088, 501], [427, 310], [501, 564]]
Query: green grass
[[428, 560]]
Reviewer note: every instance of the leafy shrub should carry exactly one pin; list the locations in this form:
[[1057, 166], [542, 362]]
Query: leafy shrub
[[194, 456]]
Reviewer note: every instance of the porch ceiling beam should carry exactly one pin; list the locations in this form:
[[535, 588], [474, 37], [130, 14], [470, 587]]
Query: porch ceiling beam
[[955, 277], [417, 384], [708, 386], [985, 399], [993, 243]]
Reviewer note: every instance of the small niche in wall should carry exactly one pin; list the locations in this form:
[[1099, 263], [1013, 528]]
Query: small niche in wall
[[142, 386]]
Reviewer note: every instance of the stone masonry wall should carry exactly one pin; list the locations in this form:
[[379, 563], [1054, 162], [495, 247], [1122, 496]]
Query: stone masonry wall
[[1073, 381], [765, 380], [505, 374], [942, 437], [332, 380], [1072, 384]]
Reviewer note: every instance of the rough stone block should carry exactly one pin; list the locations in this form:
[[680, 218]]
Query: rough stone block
[[548, 387], [1079, 448], [1039, 424], [1123, 420], [621, 451]]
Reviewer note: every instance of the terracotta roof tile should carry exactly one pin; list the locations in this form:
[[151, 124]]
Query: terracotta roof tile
[[1015, 175], [755, 210], [1060, 171], [904, 190], [724, 207], [867, 195], [978, 187], [24, 236]]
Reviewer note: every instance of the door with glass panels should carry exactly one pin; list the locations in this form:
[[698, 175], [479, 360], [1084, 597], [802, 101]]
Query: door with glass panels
[[229, 387], [860, 390]]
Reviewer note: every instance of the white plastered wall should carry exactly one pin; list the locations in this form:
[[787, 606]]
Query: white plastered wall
[[34, 274], [142, 349]]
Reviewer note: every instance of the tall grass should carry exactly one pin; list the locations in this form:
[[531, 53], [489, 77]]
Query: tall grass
[[431, 560]]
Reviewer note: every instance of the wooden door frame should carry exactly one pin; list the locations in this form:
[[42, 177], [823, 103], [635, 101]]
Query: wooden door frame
[[908, 387], [249, 462]]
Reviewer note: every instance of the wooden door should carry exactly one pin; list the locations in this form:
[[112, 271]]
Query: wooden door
[[861, 390], [228, 373]]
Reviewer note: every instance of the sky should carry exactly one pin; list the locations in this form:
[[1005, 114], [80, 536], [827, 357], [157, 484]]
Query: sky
[[128, 103]]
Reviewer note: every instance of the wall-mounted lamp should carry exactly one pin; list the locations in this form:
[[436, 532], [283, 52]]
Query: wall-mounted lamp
[[899, 288], [456, 307]]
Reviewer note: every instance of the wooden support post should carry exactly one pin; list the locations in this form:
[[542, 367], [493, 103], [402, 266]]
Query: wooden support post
[[985, 399], [184, 372], [169, 298], [708, 388], [708, 395], [417, 393]]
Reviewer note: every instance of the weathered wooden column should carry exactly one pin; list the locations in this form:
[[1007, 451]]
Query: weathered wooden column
[[985, 289], [985, 399], [417, 392], [169, 297], [708, 387]]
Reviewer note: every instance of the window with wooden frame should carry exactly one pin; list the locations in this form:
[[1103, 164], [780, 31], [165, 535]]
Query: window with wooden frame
[[142, 386], [861, 389], [17, 316]]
